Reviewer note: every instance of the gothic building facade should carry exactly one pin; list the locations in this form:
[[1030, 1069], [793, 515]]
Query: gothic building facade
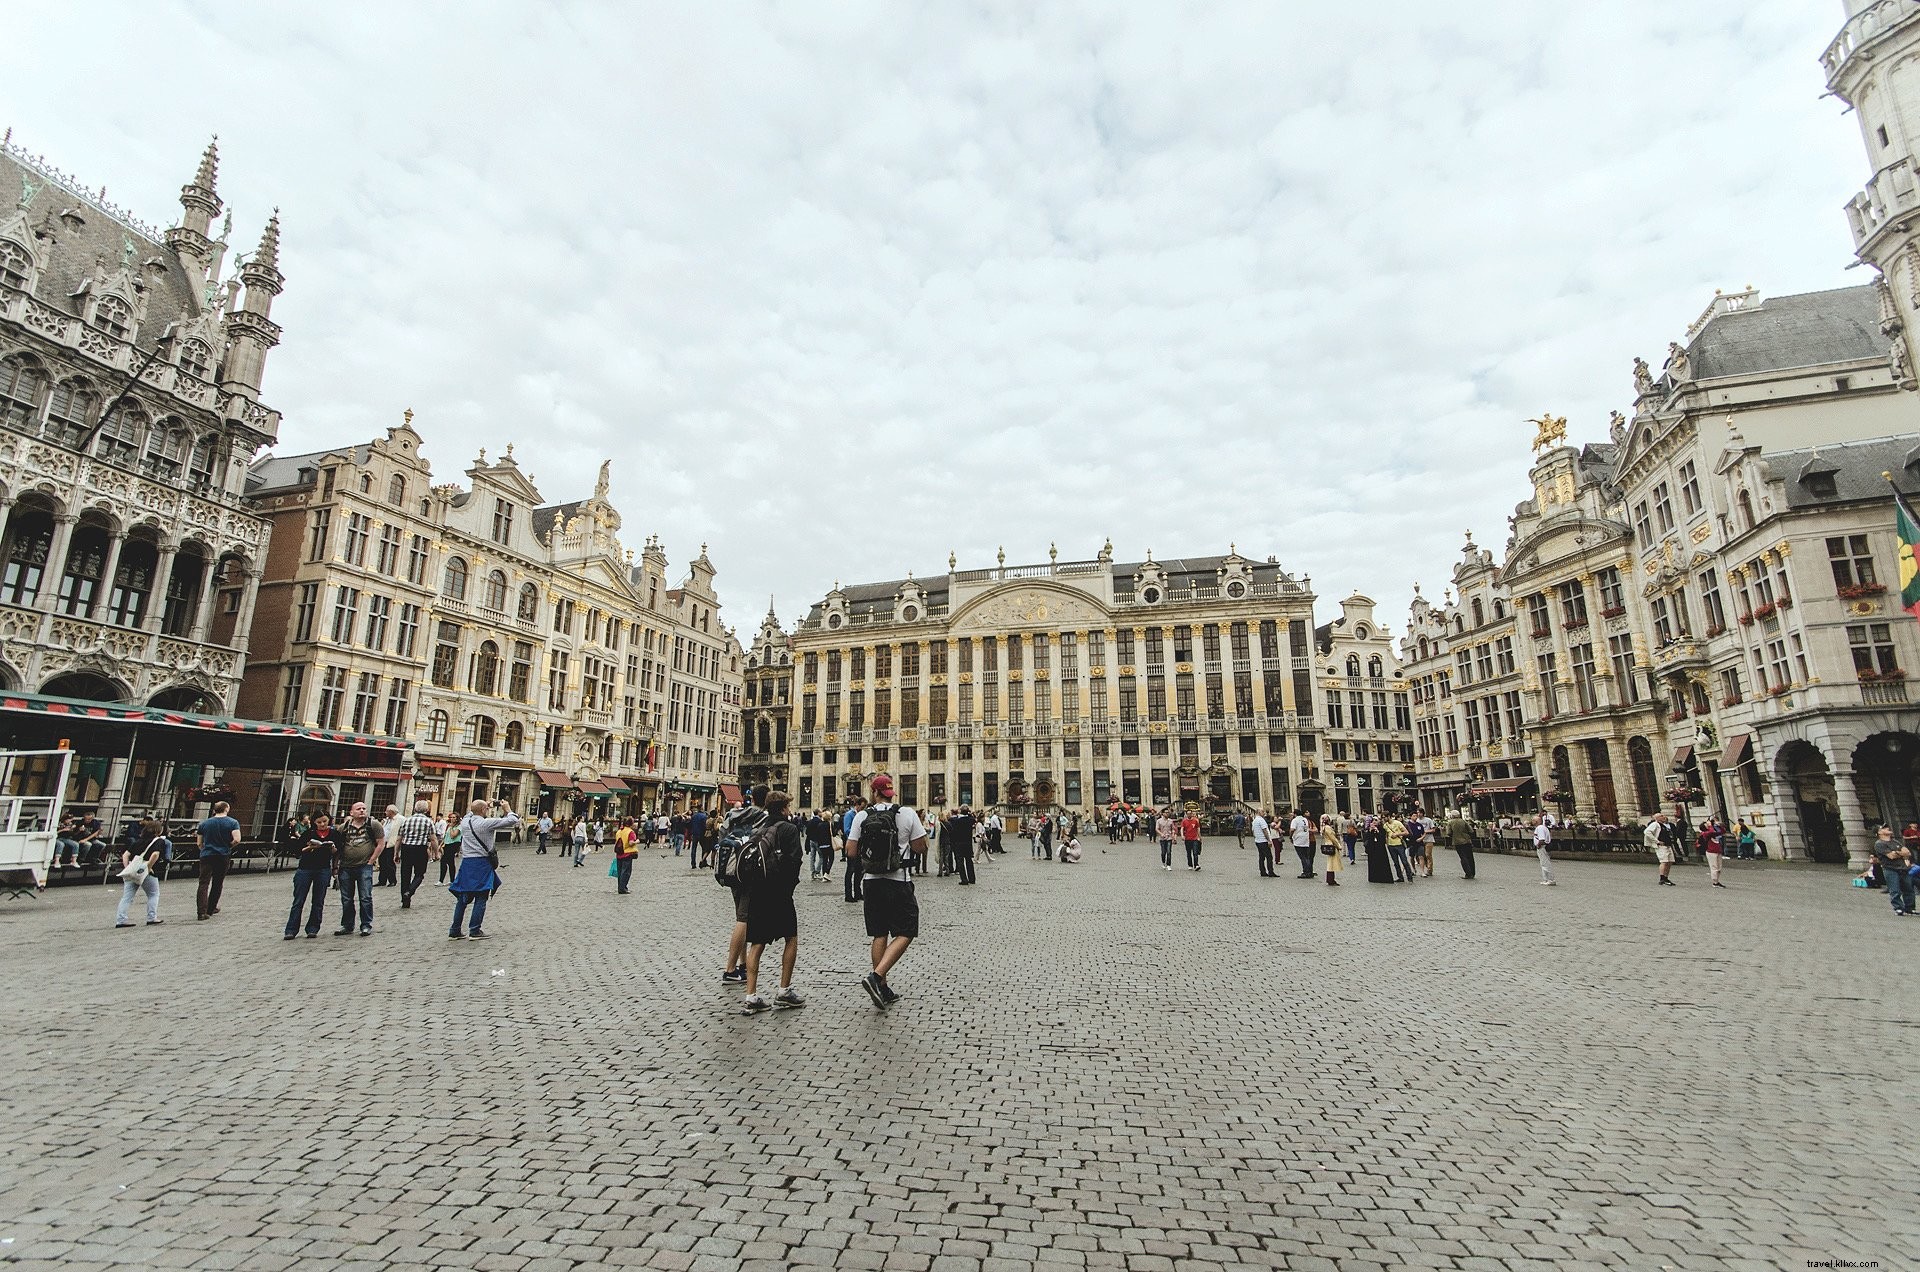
[[131, 365]]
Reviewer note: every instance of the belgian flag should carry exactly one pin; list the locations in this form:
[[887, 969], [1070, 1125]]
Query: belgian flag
[[1907, 527]]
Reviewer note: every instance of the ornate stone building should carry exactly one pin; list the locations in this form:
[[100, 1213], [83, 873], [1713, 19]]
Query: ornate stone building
[[1471, 746], [1368, 744], [526, 652], [131, 363], [767, 717], [1068, 684]]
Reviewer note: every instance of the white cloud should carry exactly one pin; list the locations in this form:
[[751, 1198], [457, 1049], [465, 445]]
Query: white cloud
[[1256, 273]]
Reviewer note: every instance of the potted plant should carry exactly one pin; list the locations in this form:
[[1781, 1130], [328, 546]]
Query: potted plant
[[1860, 591], [1765, 611]]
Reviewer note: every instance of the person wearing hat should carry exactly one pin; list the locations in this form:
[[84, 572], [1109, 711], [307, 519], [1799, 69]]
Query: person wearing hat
[[892, 912]]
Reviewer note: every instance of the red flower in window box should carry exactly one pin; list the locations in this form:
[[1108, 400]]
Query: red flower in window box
[[1778, 691], [1613, 611], [1765, 611], [1858, 591], [1882, 676], [1731, 700], [1746, 620], [1713, 630], [1576, 624]]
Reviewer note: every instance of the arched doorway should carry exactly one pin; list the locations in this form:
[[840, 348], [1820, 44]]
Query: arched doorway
[[1804, 770], [186, 698], [86, 686], [1886, 769]]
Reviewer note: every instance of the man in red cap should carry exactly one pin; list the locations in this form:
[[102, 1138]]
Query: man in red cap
[[883, 834]]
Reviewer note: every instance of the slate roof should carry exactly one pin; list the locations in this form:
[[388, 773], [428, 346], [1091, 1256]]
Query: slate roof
[[1854, 466], [1784, 332], [103, 237], [282, 472], [545, 519]]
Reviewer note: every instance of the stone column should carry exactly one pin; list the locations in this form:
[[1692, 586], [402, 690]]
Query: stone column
[[243, 622], [1582, 783], [1854, 832], [162, 578], [105, 595], [6, 512], [56, 567], [204, 603]]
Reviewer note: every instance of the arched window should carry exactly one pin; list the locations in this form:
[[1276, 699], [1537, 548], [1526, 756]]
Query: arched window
[[497, 590], [70, 408], [437, 726], [196, 359], [16, 266], [1479, 613], [200, 461], [166, 446], [397, 491], [22, 384], [516, 736], [1353, 665], [23, 564], [1423, 648], [480, 731], [1646, 789], [1499, 609], [486, 668], [113, 316], [120, 435], [1746, 511], [366, 483], [529, 603], [1374, 667], [453, 584]]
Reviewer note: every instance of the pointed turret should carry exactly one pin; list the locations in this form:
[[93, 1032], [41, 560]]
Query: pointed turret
[[249, 328], [199, 204]]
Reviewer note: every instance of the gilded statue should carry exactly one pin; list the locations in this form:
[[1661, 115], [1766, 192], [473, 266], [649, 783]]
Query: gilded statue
[[1552, 431]]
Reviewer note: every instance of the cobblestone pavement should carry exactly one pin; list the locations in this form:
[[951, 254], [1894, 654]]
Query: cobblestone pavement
[[1105, 1066]]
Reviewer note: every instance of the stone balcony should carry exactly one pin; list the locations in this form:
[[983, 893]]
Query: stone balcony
[[40, 646], [98, 347], [1892, 195]]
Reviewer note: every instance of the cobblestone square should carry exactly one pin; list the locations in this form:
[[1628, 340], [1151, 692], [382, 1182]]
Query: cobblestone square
[[1105, 1065]]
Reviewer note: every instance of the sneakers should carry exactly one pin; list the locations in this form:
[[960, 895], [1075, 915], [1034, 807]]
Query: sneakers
[[876, 990], [155, 922], [477, 935], [454, 936], [735, 976], [789, 997], [1718, 884], [291, 936], [1546, 883], [343, 932], [753, 1005]]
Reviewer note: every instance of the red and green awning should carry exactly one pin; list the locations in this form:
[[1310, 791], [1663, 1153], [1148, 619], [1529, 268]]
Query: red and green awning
[[31, 721]]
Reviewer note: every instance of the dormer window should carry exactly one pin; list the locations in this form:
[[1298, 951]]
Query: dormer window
[[196, 359], [113, 316], [16, 266], [397, 491], [502, 521]]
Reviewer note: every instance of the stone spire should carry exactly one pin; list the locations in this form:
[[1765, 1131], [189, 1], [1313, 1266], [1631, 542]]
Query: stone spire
[[267, 255], [199, 204], [251, 331]]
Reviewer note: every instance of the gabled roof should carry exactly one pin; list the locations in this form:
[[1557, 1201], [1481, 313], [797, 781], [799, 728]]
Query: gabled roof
[[553, 516], [102, 237], [1784, 332], [282, 472]]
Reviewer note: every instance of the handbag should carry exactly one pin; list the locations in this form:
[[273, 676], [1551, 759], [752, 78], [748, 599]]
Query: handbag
[[613, 869], [136, 871]]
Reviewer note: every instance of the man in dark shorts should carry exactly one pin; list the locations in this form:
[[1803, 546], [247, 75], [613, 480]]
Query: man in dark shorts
[[770, 912], [892, 912], [741, 823]]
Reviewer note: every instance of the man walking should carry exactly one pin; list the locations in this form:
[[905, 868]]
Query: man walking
[[359, 844], [1263, 844], [626, 846], [413, 839], [883, 835], [855, 876], [1240, 829], [217, 835], [772, 874], [994, 828], [478, 875], [545, 831], [1459, 832], [742, 824], [389, 860], [1658, 838], [959, 833], [1542, 841], [1190, 836], [820, 843], [1301, 831]]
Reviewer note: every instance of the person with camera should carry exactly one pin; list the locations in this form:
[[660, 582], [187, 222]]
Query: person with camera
[[1896, 869], [478, 876]]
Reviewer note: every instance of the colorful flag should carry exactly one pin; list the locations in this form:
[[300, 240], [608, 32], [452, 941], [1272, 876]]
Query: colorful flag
[[1907, 527]]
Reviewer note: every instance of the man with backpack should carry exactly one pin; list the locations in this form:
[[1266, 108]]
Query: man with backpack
[[768, 867], [881, 838], [743, 823], [853, 877]]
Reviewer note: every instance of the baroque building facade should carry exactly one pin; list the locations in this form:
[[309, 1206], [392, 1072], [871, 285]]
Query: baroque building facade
[[131, 364], [1471, 747], [1368, 718], [524, 650], [1068, 685], [767, 714]]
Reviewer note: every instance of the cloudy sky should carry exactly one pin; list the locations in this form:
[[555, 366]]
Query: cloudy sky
[[843, 288]]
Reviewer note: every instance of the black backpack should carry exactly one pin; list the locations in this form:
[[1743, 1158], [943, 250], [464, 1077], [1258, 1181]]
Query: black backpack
[[880, 851], [757, 861], [740, 831]]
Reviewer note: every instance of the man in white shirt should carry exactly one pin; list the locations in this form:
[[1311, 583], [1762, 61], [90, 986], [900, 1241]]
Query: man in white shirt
[[892, 913], [1302, 831], [1542, 839], [1263, 844], [390, 860]]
